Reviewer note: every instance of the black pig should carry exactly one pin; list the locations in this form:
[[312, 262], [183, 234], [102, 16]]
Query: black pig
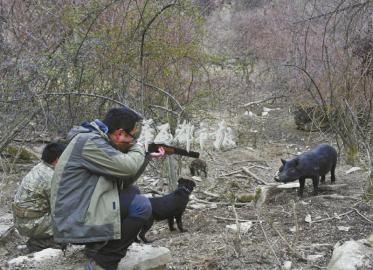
[[197, 166], [311, 164]]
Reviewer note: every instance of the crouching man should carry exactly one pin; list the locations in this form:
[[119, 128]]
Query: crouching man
[[93, 199], [31, 207]]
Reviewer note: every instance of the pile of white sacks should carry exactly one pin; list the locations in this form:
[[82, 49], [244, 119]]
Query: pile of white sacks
[[185, 134]]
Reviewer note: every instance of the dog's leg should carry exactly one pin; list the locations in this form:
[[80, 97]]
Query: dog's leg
[[145, 229], [179, 223], [171, 223]]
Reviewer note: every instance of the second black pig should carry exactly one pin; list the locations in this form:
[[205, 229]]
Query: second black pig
[[197, 166], [313, 164]]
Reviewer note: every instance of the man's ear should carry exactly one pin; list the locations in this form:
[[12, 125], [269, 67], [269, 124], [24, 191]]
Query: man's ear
[[54, 163], [117, 133]]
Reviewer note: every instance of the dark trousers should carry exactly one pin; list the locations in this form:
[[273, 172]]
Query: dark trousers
[[135, 210]]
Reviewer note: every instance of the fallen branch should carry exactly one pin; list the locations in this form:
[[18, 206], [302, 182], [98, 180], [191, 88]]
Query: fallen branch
[[17, 129], [233, 219], [364, 217], [249, 160], [246, 170], [296, 253], [336, 196], [331, 187], [230, 173], [219, 203], [267, 240], [237, 241], [262, 101], [336, 216], [211, 194]]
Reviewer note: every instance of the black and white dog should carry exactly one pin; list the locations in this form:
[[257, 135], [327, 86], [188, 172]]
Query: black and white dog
[[170, 206]]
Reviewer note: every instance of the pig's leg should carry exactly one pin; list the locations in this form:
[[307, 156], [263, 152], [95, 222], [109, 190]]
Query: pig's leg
[[332, 172], [315, 183], [302, 180]]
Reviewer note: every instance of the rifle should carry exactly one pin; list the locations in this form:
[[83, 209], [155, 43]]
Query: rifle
[[153, 147]]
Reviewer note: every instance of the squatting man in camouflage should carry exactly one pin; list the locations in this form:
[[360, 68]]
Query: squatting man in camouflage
[[31, 207], [93, 199]]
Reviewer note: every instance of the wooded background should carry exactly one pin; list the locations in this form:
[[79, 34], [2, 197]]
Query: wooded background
[[66, 61]]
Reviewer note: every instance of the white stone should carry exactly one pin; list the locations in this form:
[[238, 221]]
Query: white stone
[[41, 256], [287, 265], [139, 257], [351, 255], [308, 218], [197, 178], [244, 227], [353, 169], [143, 257], [313, 258], [294, 229], [343, 228]]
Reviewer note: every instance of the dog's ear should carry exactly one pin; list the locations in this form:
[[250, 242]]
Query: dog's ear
[[181, 181], [192, 183]]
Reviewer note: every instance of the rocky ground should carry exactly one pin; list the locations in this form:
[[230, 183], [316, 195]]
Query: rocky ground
[[285, 229]]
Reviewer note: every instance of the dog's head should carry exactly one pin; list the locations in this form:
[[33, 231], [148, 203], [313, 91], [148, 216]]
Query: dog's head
[[188, 184]]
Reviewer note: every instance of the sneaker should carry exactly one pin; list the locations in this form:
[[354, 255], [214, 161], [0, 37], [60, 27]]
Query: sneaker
[[92, 265]]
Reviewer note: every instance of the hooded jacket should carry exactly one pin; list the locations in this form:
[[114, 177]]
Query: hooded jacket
[[86, 183]]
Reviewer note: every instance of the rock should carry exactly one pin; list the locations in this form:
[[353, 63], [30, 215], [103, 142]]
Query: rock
[[314, 258], [139, 257], [352, 255], [287, 265], [244, 227], [143, 257], [343, 228], [37, 257]]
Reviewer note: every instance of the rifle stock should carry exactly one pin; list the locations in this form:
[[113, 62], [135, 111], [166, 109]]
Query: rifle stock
[[153, 147]]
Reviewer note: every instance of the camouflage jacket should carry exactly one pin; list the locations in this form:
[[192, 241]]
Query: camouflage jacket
[[31, 207]]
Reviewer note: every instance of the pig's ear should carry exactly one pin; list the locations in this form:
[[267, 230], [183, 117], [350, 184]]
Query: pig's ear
[[283, 161]]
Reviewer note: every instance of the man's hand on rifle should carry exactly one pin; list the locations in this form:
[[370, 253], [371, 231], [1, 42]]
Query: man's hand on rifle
[[161, 152]]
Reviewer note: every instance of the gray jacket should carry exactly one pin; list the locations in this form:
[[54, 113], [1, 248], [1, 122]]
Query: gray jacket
[[86, 184]]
